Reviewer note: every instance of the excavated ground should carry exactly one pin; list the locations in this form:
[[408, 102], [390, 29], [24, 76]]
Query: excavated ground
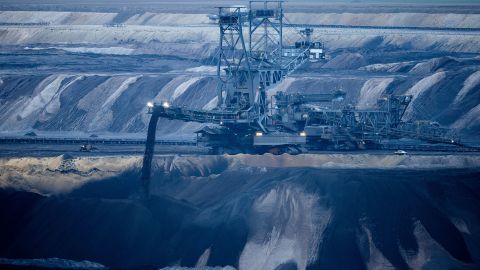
[[93, 68], [81, 71], [249, 212]]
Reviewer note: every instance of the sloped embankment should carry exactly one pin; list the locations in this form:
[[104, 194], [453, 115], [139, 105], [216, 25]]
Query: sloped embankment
[[220, 211]]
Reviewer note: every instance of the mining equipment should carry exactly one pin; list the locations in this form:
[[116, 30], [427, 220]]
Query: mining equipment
[[251, 117]]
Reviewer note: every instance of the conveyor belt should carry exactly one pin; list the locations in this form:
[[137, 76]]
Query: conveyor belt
[[45, 140]]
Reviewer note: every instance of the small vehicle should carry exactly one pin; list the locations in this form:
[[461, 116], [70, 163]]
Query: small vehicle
[[87, 147], [400, 152]]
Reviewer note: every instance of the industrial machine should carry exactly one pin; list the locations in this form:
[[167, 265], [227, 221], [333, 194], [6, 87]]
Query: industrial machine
[[250, 119]]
